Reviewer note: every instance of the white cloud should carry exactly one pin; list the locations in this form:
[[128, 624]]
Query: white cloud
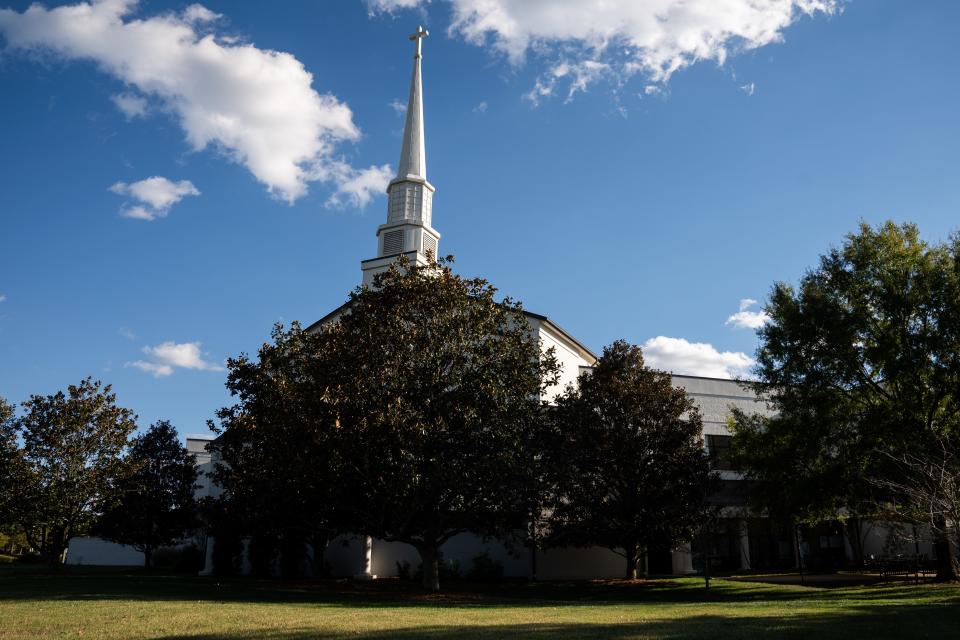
[[257, 106], [156, 195], [481, 108], [695, 358], [398, 107], [154, 369], [167, 356], [126, 333], [579, 75], [355, 186], [746, 319], [3, 297], [749, 88], [654, 38], [131, 105], [197, 13]]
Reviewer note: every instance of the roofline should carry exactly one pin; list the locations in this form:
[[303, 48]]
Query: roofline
[[686, 375], [566, 334], [327, 317], [538, 316]]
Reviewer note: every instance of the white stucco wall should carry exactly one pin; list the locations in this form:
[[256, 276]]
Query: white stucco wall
[[570, 358]]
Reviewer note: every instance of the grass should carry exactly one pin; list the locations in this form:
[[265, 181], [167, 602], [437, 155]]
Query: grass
[[93, 603]]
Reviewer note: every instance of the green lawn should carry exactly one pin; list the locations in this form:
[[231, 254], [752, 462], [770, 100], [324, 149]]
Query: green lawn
[[131, 604]]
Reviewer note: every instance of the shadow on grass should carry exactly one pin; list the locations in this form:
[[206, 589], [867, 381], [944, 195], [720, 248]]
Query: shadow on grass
[[922, 621], [98, 584]]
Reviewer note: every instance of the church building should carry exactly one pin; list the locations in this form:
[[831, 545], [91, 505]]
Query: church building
[[742, 541], [408, 231]]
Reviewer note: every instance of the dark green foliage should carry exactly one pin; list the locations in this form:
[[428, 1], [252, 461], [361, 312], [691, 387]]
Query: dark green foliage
[[631, 471], [406, 418], [485, 569], [155, 507], [436, 385], [12, 465], [69, 465], [861, 363], [188, 559], [276, 447], [262, 551]]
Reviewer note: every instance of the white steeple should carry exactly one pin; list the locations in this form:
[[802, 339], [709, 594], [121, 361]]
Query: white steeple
[[407, 230]]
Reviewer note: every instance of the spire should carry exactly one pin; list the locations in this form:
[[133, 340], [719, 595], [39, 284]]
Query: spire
[[408, 229], [413, 155]]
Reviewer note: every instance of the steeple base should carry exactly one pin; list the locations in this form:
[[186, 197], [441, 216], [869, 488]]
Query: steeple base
[[374, 266]]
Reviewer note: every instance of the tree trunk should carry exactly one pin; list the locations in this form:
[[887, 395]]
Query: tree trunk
[[55, 548], [854, 535], [430, 557], [319, 544], [633, 557], [946, 561], [148, 557]]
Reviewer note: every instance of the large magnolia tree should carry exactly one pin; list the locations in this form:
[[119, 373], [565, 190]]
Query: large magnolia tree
[[410, 414], [861, 362], [630, 466], [436, 385]]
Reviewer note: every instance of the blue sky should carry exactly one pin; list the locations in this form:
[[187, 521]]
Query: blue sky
[[627, 176]]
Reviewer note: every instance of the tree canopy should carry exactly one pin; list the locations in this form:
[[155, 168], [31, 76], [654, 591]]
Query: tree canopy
[[155, 505], [417, 401], [278, 470], [631, 469], [861, 362], [69, 463]]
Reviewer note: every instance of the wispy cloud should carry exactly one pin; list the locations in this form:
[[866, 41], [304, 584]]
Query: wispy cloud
[[164, 358], [749, 88], [398, 107], [126, 333], [650, 38], [695, 358], [3, 297], [746, 319], [257, 106], [156, 195], [481, 108], [130, 105]]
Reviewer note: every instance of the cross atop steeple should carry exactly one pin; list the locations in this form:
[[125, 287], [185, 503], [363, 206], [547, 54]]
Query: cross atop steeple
[[418, 36]]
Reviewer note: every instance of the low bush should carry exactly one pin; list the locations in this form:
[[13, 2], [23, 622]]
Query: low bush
[[485, 568]]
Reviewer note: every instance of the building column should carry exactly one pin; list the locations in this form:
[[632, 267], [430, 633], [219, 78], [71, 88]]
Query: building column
[[744, 534], [208, 557], [367, 573], [683, 560]]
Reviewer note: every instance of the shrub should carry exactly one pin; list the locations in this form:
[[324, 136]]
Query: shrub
[[485, 568], [448, 569], [188, 559]]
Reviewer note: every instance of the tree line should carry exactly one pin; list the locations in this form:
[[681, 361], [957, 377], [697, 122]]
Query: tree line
[[70, 466], [421, 412]]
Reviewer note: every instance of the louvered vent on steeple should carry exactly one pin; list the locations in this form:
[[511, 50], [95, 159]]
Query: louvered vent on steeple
[[392, 242]]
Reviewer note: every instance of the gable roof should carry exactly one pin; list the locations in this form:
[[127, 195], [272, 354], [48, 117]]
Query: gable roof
[[529, 314]]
